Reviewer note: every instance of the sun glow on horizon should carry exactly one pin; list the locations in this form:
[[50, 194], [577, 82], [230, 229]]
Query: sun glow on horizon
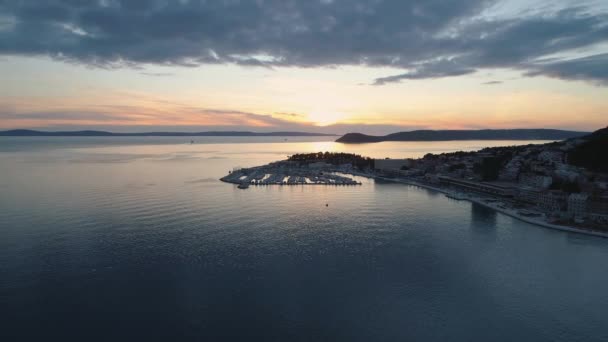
[[325, 117], [286, 100]]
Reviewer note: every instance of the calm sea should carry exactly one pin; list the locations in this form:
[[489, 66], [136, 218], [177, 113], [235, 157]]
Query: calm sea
[[125, 239]]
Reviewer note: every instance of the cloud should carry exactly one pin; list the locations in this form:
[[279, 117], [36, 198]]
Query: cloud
[[156, 74], [425, 38], [290, 115], [435, 69], [70, 115], [191, 119], [592, 68], [492, 82]]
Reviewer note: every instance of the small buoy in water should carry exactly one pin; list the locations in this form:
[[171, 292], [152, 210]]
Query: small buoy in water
[[327, 204]]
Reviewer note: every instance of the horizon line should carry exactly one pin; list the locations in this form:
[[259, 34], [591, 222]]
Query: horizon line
[[95, 132]]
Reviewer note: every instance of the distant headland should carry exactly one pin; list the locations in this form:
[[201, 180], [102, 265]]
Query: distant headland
[[446, 135], [34, 133]]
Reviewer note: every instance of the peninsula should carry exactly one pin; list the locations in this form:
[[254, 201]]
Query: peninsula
[[302, 169], [445, 135]]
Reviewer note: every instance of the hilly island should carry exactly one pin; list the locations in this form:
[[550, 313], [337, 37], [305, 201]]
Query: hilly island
[[444, 135], [349, 138]]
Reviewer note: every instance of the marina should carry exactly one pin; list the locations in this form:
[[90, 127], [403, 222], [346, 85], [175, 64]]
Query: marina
[[288, 173]]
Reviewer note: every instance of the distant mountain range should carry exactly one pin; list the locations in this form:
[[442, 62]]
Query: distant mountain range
[[33, 133], [445, 135], [353, 138]]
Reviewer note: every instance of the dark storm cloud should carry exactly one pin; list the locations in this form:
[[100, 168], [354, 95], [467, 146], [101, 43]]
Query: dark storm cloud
[[425, 38]]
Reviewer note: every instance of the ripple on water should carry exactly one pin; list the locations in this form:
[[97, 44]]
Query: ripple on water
[[158, 244]]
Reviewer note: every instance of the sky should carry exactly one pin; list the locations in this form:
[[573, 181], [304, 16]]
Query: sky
[[331, 66]]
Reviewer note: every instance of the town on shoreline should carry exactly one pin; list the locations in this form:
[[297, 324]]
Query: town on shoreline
[[561, 185]]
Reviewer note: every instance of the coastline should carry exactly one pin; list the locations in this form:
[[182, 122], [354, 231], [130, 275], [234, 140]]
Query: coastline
[[507, 212], [490, 204]]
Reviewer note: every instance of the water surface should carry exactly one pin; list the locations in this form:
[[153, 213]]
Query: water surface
[[134, 239]]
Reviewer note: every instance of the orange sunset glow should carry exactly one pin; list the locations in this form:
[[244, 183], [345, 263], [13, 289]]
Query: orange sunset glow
[[274, 91]]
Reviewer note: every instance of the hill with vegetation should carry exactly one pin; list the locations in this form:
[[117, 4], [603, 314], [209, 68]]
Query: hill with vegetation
[[444, 135], [592, 153], [334, 158]]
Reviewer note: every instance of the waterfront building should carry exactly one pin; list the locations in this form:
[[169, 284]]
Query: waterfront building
[[494, 188], [431, 178], [536, 181], [577, 205], [598, 209], [392, 164], [393, 167], [554, 200], [528, 195]]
